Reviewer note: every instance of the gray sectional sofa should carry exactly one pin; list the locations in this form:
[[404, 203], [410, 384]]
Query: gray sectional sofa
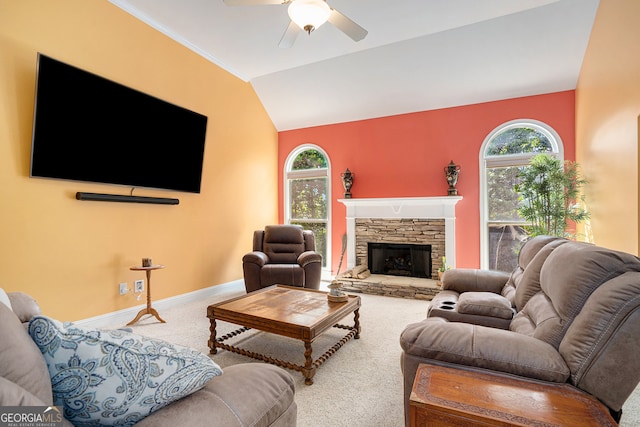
[[249, 394]]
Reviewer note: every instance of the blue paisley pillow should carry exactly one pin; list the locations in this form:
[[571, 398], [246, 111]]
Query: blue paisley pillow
[[115, 377]]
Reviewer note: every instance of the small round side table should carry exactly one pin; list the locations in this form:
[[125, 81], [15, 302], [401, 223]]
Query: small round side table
[[148, 309]]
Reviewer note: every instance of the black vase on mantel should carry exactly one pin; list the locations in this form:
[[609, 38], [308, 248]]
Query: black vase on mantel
[[347, 182], [452, 171]]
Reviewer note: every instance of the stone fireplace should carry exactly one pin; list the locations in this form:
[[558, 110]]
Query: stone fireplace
[[402, 232], [402, 221]]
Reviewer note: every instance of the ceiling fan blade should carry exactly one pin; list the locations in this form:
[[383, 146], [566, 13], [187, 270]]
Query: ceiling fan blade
[[347, 26], [289, 36], [254, 2]]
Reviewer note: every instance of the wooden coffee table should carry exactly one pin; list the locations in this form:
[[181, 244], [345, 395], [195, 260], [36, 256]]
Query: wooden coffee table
[[288, 311]]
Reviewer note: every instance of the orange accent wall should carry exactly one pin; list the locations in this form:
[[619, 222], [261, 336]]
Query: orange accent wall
[[607, 122], [404, 156], [71, 255]]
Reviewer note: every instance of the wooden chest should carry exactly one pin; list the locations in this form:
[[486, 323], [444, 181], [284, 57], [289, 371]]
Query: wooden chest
[[446, 397]]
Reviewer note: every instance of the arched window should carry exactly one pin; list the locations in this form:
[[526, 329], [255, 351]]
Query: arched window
[[308, 194], [505, 151]]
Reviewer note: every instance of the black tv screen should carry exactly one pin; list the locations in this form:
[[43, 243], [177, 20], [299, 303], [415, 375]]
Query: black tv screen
[[88, 128]]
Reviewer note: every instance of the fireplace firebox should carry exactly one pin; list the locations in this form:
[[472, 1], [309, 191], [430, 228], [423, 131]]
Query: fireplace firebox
[[399, 259]]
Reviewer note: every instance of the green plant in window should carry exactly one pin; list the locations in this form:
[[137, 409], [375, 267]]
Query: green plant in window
[[309, 159], [549, 192], [518, 140]]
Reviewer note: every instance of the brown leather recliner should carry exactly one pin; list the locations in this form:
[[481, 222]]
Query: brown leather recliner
[[283, 255], [578, 322]]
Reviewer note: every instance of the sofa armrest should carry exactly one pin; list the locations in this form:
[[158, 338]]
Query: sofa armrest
[[24, 306], [252, 264], [473, 280], [311, 262], [309, 257], [484, 347], [485, 304], [257, 258]]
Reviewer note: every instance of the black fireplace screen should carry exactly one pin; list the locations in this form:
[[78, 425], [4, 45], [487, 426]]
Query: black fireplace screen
[[399, 259]]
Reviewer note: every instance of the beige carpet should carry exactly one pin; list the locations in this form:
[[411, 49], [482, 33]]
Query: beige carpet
[[359, 386]]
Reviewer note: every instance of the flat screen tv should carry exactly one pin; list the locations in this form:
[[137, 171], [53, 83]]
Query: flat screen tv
[[89, 128]]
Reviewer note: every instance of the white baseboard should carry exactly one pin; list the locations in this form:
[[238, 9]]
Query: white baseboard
[[121, 317]]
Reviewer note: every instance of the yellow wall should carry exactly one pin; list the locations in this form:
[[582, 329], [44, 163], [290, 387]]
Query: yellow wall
[[607, 109], [71, 255]]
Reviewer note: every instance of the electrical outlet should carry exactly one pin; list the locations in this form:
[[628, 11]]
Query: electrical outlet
[[138, 286], [123, 289]]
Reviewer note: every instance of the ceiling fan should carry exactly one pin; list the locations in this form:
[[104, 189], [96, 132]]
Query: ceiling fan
[[307, 15]]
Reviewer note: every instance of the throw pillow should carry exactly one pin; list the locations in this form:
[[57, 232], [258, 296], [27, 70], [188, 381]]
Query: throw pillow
[[114, 377]]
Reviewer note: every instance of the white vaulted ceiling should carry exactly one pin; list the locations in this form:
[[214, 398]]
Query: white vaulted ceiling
[[419, 54]]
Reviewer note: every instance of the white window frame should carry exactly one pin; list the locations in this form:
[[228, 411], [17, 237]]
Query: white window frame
[[487, 162], [308, 173]]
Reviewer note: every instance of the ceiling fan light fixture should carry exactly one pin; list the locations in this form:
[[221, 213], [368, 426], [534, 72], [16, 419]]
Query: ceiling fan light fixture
[[309, 14]]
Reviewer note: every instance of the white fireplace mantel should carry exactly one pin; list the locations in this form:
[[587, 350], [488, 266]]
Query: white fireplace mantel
[[403, 208]]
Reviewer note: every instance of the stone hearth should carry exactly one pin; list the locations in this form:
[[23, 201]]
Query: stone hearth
[[392, 286]]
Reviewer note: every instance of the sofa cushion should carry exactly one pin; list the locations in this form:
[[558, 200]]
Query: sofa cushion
[[483, 347], [11, 394], [283, 274], [485, 304], [116, 377], [528, 251], [24, 306], [230, 400], [20, 360], [283, 243], [597, 346], [531, 248], [529, 282], [568, 277]]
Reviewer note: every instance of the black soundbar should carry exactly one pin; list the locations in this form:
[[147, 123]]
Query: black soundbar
[[98, 197]]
